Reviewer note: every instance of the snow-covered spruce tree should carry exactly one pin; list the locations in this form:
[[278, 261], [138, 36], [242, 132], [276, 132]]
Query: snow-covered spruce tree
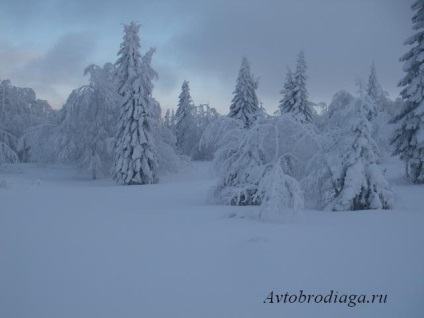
[[381, 130], [321, 182], [357, 178], [374, 96], [408, 138], [288, 101], [245, 103], [301, 105], [136, 159], [186, 124], [373, 89], [89, 122]]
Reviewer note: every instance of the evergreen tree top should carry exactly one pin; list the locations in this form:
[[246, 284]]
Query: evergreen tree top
[[287, 102], [245, 102], [185, 103], [131, 41], [295, 98], [288, 84], [185, 96], [301, 65], [374, 89]]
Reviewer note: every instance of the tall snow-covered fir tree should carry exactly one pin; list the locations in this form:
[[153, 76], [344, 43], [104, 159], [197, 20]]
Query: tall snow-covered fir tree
[[287, 102], [136, 159], [408, 139], [185, 120], [301, 106], [245, 103]]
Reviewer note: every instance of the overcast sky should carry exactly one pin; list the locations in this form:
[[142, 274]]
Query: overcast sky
[[47, 44]]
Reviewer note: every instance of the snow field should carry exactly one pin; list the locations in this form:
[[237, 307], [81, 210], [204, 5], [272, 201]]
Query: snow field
[[77, 248]]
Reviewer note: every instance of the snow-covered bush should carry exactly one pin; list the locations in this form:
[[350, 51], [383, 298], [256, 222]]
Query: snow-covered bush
[[298, 139], [89, 120], [280, 194], [169, 160], [240, 163], [19, 111], [40, 143], [204, 115], [254, 164], [217, 132]]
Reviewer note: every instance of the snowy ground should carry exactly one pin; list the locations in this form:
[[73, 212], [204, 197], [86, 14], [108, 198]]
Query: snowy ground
[[70, 247]]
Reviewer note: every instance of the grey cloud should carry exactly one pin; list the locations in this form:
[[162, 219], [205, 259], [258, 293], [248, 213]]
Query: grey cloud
[[203, 41], [66, 60], [341, 38], [168, 77], [52, 74]]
